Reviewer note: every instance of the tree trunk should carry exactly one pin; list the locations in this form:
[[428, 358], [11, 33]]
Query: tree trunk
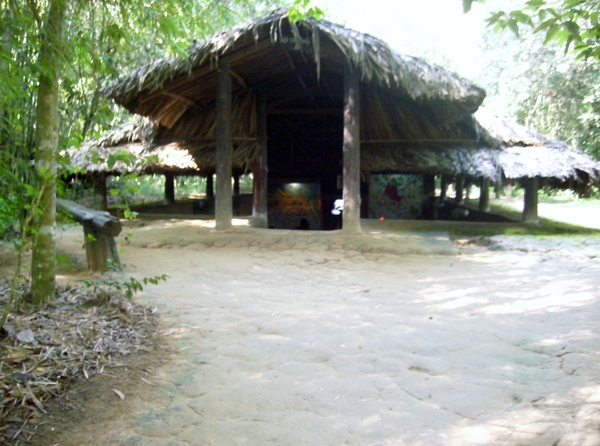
[[351, 150], [224, 201], [43, 262]]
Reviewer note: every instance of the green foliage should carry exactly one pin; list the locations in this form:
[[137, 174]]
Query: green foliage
[[302, 9], [534, 82], [573, 24], [564, 101], [129, 286]]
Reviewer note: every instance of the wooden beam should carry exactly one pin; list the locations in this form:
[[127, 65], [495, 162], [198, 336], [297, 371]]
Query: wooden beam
[[351, 151], [260, 170], [530, 207], [165, 141], [240, 79], [412, 141], [99, 229], [180, 98], [305, 111], [224, 149], [290, 60]]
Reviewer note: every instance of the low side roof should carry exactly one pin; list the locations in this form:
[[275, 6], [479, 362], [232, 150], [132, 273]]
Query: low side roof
[[528, 153]]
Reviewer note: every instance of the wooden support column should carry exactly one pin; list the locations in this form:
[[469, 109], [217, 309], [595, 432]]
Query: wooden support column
[[100, 200], [444, 187], [484, 195], [169, 188], [236, 184], [530, 208], [260, 170], [351, 150], [210, 186], [427, 205], [460, 189], [498, 189], [224, 202]]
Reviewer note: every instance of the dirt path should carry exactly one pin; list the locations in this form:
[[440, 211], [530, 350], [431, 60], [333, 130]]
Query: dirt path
[[294, 339]]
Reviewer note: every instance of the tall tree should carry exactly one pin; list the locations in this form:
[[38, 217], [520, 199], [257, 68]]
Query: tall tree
[[43, 264], [531, 76], [101, 39]]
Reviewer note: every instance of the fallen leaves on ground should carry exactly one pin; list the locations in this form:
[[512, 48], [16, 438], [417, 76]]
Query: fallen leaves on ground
[[44, 349]]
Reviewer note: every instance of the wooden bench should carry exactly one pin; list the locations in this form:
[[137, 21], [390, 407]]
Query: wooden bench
[[99, 231]]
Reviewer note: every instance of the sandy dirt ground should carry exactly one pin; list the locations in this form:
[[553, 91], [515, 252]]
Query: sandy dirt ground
[[301, 338]]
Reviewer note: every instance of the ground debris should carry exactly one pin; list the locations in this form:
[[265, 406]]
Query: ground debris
[[44, 349]]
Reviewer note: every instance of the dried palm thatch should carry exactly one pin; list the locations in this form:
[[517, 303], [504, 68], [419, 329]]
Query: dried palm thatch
[[80, 334], [167, 88], [528, 153], [134, 138]]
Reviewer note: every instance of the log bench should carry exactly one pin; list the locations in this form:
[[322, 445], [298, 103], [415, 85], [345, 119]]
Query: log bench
[[99, 231]]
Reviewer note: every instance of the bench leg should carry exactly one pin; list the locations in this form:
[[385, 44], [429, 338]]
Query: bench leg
[[99, 249]]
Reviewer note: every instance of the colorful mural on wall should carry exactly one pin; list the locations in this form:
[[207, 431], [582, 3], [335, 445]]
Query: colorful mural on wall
[[295, 205], [395, 196]]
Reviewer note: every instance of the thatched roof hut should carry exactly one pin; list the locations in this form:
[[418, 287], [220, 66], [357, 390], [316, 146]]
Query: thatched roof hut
[[325, 99], [407, 103]]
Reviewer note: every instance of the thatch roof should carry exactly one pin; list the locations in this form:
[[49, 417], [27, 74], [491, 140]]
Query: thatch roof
[[291, 58], [405, 100], [134, 138], [415, 116], [528, 153]]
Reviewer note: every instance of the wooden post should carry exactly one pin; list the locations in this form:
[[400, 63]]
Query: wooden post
[[210, 186], [236, 184], [498, 189], [484, 195], [99, 229], [427, 205], [530, 208], [100, 200], [444, 187], [459, 187], [351, 150], [169, 188], [260, 170], [224, 201]]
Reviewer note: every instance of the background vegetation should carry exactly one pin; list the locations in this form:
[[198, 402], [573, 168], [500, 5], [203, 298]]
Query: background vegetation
[[543, 71]]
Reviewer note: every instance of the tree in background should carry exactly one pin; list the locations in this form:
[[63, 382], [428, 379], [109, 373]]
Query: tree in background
[[101, 40], [573, 24], [546, 74]]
